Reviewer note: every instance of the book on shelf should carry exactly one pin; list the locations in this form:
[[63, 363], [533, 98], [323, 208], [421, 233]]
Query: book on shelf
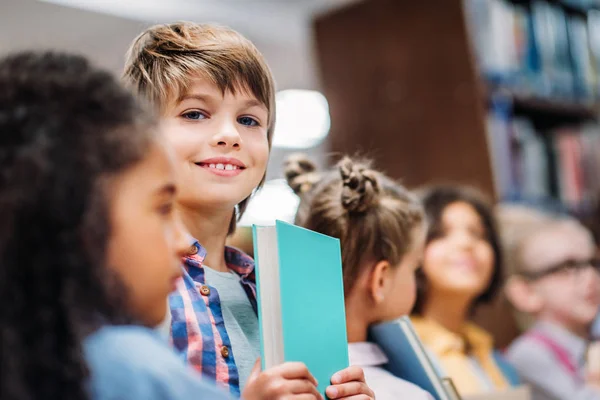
[[300, 297], [529, 160], [501, 38], [551, 40], [538, 48], [554, 166], [581, 57], [593, 27], [499, 137]]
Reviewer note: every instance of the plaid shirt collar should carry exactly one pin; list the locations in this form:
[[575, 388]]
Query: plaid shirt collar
[[236, 260]]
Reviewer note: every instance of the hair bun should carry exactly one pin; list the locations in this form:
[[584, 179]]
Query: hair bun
[[300, 173], [360, 186]]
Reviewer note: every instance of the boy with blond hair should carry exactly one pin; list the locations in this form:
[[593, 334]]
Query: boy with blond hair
[[216, 98], [556, 281]]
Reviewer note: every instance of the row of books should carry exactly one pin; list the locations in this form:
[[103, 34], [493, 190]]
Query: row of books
[[561, 166], [538, 47]]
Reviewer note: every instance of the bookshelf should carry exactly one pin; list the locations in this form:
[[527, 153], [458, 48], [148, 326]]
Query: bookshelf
[[435, 95], [530, 64]]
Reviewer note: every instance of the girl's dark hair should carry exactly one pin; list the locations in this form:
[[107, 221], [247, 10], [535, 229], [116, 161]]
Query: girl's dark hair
[[66, 129], [435, 200], [373, 216]]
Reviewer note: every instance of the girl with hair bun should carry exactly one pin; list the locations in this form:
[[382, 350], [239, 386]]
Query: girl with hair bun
[[381, 228]]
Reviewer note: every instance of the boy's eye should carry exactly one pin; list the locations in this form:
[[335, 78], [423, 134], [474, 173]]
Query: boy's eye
[[248, 121], [194, 115]]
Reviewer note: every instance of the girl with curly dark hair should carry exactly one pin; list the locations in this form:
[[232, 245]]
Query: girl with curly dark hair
[[89, 247]]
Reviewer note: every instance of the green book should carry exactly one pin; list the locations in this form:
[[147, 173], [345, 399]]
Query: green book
[[300, 300]]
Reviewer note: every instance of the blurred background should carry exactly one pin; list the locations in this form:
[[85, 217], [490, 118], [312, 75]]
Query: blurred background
[[498, 94]]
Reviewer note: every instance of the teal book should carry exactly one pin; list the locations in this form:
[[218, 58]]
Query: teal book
[[408, 359], [300, 300]]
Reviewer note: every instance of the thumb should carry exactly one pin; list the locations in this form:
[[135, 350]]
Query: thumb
[[255, 371]]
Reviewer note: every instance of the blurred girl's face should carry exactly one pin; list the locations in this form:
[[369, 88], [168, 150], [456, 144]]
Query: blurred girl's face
[[147, 239], [460, 259]]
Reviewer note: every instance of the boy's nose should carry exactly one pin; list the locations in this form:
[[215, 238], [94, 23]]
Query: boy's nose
[[227, 136]]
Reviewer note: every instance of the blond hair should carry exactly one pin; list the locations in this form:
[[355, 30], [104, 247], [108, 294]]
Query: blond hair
[[164, 59], [546, 235], [515, 223], [373, 216]]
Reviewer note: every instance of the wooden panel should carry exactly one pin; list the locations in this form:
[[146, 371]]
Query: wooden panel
[[403, 89]]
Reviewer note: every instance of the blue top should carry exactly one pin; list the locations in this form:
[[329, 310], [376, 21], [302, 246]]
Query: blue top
[[132, 362]]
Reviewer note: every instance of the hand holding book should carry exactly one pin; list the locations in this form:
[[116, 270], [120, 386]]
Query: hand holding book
[[290, 380], [348, 383], [293, 380]]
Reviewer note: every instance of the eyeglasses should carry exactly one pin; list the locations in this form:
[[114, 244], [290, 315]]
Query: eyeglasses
[[570, 267]]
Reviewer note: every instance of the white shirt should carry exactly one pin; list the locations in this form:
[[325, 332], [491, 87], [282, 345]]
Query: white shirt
[[386, 386]]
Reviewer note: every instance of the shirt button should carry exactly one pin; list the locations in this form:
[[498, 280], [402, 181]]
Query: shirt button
[[225, 351], [204, 290], [193, 250]]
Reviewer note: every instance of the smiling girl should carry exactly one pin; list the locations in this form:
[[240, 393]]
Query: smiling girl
[[461, 269]]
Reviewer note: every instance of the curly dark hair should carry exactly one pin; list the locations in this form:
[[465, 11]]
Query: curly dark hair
[[435, 200], [66, 129]]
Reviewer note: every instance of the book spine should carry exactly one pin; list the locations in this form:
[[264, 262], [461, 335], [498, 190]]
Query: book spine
[[258, 295]]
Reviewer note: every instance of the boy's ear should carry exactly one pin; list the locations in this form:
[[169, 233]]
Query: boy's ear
[[381, 281], [523, 296]]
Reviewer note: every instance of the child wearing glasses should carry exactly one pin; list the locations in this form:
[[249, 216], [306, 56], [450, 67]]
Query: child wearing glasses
[[557, 282]]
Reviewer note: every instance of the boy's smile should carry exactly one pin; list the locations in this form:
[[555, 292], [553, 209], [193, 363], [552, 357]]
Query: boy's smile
[[223, 166]]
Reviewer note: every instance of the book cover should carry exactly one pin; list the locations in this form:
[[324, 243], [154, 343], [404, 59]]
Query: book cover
[[407, 356], [301, 300]]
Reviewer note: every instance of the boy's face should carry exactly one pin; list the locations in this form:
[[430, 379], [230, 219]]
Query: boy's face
[[568, 286], [221, 145], [147, 239]]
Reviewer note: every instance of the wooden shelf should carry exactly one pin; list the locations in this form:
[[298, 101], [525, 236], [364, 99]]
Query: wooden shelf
[[554, 106], [567, 5], [547, 112]]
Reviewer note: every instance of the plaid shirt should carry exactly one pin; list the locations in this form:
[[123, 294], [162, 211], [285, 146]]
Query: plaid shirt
[[197, 326]]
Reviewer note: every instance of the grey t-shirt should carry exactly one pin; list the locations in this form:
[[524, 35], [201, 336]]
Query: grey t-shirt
[[240, 320], [539, 367]]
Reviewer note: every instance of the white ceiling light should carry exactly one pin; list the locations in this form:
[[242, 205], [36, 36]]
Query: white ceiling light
[[275, 200], [302, 119]]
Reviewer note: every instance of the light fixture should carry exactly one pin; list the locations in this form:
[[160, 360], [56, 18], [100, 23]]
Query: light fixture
[[302, 119]]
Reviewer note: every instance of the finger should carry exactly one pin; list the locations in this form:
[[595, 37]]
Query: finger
[[255, 371], [302, 386], [349, 389], [304, 397], [357, 397], [353, 373], [295, 370]]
